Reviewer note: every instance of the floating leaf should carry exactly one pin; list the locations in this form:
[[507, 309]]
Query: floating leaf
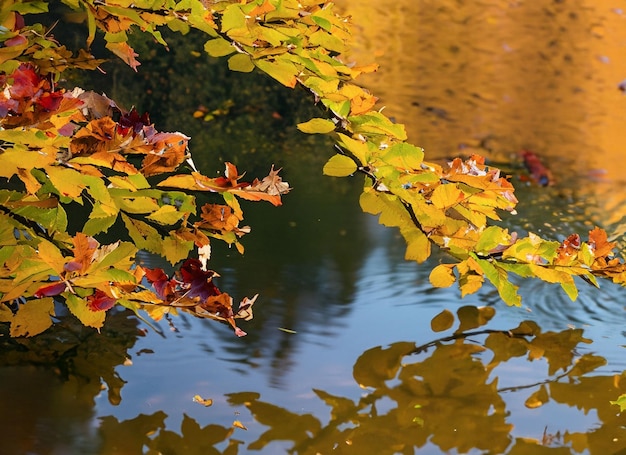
[[203, 401]]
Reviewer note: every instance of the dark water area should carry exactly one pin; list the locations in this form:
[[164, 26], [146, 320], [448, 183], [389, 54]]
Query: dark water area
[[351, 350]]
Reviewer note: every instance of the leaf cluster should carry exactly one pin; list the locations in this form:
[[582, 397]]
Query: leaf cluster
[[72, 148], [73, 151]]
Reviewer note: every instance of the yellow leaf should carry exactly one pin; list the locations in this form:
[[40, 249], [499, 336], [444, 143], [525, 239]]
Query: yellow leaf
[[241, 63], [339, 166], [360, 149], [203, 401], [317, 125], [418, 245], [282, 70], [78, 307], [67, 181], [238, 424], [218, 47], [442, 276], [446, 195], [167, 215], [32, 317]]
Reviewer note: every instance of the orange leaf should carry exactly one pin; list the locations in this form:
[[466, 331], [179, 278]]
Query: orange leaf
[[598, 241], [125, 52]]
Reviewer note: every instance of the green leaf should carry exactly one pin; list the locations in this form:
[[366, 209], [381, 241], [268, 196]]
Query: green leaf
[[94, 226], [498, 277], [340, 166], [491, 238], [317, 125], [33, 7], [145, 236], [404, 156], [621, 402], [79, 308], [233, 18], [322, 22], [241, 63], [377, 123], [119, 252]]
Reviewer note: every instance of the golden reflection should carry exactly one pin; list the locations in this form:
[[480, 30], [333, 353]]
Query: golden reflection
[[453, 395], [497, 77]]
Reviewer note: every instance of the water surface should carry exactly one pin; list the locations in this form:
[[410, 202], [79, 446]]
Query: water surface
[[342, 356]]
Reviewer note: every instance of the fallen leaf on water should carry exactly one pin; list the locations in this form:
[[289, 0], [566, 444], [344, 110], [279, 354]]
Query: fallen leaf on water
[[203, 401], [238, 424]]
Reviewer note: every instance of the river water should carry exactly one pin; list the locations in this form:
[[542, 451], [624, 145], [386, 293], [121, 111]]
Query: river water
[[351, 351]]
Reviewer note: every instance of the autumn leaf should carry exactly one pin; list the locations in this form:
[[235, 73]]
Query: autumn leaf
[[32, 317], [442, 276], [317, 125], [125, 52], [598, 241], [272, 184], [340, 166], [203, 401]]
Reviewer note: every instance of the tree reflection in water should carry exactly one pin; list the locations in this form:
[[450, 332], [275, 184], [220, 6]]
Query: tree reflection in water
[[445, 395]]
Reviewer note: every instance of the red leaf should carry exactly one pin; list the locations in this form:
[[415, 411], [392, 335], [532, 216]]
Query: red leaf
[[16, 41], [50, 290], [25, 82], [50, 101], [538, 172], [164, 287], [132, 120], [100, 301], [200, 281]]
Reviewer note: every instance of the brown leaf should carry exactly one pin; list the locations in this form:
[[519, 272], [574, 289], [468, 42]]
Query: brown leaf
[[272, 184]]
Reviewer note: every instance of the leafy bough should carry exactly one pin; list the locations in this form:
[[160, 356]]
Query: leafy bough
[[61, 148], [300, 44]]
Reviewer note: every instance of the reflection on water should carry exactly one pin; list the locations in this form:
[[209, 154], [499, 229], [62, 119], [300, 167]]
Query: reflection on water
[[472, 387], [496, 77], [338, 306]]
